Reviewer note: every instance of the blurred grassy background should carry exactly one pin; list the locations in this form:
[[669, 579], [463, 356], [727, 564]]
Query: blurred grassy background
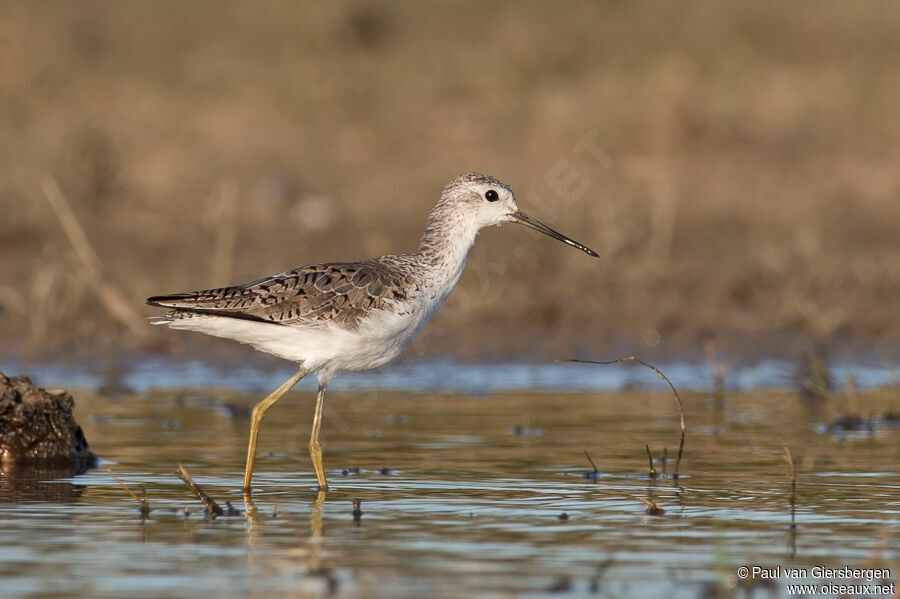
[[748, 186]]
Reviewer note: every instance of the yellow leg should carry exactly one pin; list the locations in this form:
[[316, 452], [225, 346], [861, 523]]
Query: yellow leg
[[259, 412], [315, 450]]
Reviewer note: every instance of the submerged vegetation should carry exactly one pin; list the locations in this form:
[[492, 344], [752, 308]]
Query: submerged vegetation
[[678, 404]]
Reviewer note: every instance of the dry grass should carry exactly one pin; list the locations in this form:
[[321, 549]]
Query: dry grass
[[747, 183]]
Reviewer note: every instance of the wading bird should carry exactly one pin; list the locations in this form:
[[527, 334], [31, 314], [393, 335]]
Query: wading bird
[[340, 316]]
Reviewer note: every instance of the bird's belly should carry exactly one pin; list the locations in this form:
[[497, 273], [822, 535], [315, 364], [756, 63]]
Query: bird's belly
[[326, 350], [382, 337]]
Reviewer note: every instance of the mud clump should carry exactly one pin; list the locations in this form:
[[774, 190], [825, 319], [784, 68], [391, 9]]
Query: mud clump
[[37, 426]]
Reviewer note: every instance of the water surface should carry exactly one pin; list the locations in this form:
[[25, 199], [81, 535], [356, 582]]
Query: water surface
[[461, 496], [450, 376]]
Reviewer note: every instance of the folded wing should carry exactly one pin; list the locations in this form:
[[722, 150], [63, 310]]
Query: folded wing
[[339, 293]]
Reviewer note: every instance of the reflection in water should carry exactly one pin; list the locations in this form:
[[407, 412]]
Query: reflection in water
[[315, 534], [39, 481], [310, 554], [457, 503]]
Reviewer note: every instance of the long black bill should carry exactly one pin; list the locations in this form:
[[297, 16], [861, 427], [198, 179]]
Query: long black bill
[[537, 225]]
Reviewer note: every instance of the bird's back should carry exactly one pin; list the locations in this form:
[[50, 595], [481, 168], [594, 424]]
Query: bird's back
[[337, 293]]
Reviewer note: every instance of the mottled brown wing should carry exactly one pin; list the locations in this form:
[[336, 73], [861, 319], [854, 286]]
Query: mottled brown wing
[[339, 292]]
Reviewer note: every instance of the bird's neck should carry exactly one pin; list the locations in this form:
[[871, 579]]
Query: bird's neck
[[446, 244]]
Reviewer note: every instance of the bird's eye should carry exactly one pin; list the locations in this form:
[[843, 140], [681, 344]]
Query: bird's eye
[[491, 196]]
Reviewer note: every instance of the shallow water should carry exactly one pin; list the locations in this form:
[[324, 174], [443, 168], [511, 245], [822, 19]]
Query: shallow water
[[470, 504], [448, 376]]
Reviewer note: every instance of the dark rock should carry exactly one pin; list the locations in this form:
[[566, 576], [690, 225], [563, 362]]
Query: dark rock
[[37, 426]]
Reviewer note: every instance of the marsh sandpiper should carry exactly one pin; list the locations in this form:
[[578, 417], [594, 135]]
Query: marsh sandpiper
[[344, 316]]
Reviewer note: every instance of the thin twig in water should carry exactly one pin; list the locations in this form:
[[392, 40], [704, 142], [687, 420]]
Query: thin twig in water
[[650, 460], [144, 501], [212, 508], [671, 386], [593, 465], [595, 474], [652, 508]]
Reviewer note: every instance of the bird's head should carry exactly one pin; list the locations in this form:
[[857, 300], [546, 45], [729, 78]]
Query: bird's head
[[481, 200]]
